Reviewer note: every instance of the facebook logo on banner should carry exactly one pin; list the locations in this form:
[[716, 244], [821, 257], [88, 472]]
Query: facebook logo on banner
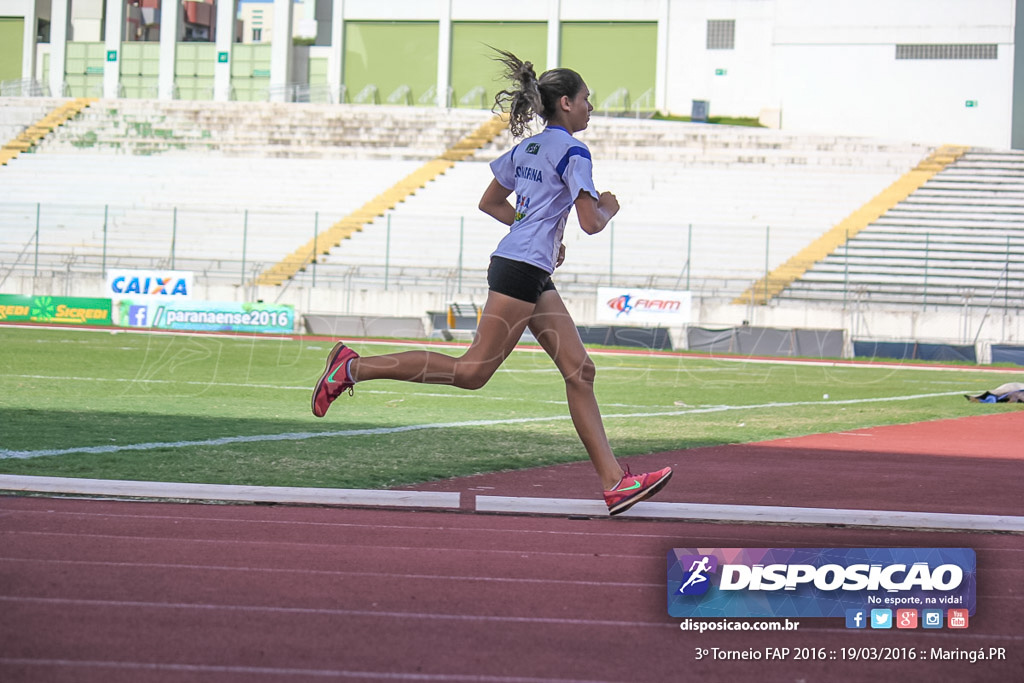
[[137, 315], [856, 618]]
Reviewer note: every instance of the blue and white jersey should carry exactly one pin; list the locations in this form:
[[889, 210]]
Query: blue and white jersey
[[547, 173]]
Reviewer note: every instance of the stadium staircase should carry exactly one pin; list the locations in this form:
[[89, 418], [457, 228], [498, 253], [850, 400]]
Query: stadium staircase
[[343, 229], [36, 132], [784, 276], [957, 241]]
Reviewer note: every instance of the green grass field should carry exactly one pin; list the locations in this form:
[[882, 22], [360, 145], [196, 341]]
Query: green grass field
[[235, 410]]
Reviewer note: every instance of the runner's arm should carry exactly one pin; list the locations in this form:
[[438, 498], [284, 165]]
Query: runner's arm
[[594, 214], [494, 202]]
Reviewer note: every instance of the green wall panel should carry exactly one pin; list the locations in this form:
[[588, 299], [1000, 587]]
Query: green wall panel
[[611, 56], [390, 54], [195, 59], [317, 71], [250, 71], [12, 38], [140, 69], [83, 68], [84, 85], [194, 87], [193, 70], [472, 63], [82, 58], [140, 59]]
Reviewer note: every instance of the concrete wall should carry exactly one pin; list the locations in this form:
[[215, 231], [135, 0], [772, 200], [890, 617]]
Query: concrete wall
[[737, 82], [836, 70], [805, 65]]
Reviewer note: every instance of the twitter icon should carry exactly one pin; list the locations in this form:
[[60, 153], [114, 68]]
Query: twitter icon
[[881, 618]]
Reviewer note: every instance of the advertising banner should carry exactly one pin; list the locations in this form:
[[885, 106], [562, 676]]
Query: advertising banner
[[867, 586], [65, 310], [625, 306], [207, 316], [163, 285]]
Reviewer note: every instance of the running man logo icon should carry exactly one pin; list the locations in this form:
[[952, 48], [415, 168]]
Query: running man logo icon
[[696, 582]]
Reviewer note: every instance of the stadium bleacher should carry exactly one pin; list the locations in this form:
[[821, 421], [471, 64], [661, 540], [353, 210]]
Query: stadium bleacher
[[265, 130], [178, 180], [958, 240], [18, 113], [182, 207], [682, 187]]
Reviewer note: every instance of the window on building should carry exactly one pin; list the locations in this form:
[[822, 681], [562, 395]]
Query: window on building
[[257, 35], [952, 51], [721, 34]]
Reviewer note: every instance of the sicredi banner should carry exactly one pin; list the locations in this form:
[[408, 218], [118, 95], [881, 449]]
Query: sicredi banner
[[65, 310], [157, 284], [817, 582], [644, 306], [207, 316]]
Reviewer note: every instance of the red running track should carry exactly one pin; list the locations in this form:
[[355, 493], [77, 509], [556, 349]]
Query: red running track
[[129, 591]]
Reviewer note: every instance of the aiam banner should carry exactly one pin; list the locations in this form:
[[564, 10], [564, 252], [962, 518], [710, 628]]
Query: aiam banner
[[207, 316], [626, 306], [64, 310], [818, 582]]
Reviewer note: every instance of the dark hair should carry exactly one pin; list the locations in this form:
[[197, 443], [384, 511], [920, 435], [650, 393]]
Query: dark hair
[[533, 96]]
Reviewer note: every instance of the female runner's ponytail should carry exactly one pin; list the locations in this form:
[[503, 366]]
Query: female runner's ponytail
[[534, 96]]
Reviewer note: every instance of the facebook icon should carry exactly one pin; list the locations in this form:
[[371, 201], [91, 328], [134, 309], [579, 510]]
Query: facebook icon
[[856, 618], [137, 315]]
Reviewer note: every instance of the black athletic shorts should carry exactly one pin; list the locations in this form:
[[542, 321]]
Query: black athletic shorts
[[517, 279]]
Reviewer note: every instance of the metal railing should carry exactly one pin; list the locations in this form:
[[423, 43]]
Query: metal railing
[[24, 87], [402, 93], [232, 245]]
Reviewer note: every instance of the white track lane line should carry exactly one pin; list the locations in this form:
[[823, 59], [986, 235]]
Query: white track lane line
[[302, 436]]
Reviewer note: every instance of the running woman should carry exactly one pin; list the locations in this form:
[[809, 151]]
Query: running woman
[[550, 173]]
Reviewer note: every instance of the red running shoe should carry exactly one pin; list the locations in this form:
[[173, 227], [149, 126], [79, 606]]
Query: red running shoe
[[334, 380], [635, 487]]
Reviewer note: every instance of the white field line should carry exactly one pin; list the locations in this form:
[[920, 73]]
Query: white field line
[[285, 387], [377, 431]]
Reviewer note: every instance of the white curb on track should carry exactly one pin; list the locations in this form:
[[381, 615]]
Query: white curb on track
[[757, 514], [216, 492], [563, 507]]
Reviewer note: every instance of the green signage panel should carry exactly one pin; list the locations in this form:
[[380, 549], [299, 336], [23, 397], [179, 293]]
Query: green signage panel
[[222, 57], [67, 310], [111, 55]]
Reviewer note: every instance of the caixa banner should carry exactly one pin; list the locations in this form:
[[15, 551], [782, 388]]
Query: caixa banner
[[643, 306], [161, 285], [817, 582]]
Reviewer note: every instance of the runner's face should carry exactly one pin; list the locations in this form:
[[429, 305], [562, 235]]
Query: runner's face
[[578, 114]]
